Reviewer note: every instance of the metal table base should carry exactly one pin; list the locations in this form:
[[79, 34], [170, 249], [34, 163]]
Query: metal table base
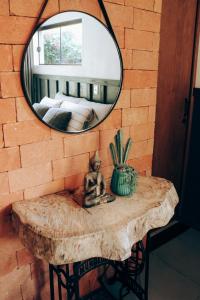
[[126, 272]]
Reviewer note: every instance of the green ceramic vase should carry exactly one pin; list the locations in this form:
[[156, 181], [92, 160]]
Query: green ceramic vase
[[123, 182]]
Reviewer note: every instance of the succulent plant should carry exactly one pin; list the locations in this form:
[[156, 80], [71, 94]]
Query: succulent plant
[[120, 153]]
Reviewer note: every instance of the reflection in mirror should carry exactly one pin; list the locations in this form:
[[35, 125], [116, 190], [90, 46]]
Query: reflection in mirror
[[72, 72]]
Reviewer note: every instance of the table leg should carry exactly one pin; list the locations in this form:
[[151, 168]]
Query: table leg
[[68, 276], [147, 250], [76, 267], [59, 288], [51, 280], [65, 281], [126, 272]]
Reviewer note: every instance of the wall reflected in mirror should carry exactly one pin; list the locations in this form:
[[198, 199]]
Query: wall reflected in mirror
[[72, 72]]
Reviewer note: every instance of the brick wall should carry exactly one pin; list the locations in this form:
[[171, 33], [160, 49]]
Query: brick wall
[[35, 160]]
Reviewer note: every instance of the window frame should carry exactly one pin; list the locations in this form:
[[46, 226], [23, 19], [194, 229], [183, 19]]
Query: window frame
[[58, 25]]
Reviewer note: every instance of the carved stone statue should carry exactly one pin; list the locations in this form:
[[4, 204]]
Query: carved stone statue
[[95, 185]]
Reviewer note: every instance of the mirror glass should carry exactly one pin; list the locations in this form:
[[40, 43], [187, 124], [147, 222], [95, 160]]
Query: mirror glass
[[72, 72]]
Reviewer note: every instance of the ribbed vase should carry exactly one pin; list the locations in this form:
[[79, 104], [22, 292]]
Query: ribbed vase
[[123, 182]]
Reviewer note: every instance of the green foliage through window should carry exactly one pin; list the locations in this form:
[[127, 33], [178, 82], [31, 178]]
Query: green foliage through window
[[61, 45]]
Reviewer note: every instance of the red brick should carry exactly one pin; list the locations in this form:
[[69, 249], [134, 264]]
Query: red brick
[[120, 15], [116, 1], [5, 223], [44, 151], [132, 116], [124, 99], [9, 159], [127, 58], [1, 137], [91, 7], [4, 11], [8, 247], [156, 42], [81, 143], [141, 163], [44, 291], [114, 120], [30, 177], [142, 132], [74, 182], [10, 85], [40, 277], [144, 4], [145, 60], [139, 149], [90, 282], [158, 6], [140, 79], [16, 30], [58, 134], [150, 145], [17, 56], [24, 257], [143, 97], [8, 199], [107, 172], [44, 189], [25, 132], [107, 137], [31, 8], [29, 289], [7, 111], [9, 285], [24, 112], [120, 35], [6, 63], [139, 40], [4, 186], [70, 166], [152, 113], [146, 20]]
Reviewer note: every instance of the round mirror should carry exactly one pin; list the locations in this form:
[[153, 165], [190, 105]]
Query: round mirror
[[72, 72]]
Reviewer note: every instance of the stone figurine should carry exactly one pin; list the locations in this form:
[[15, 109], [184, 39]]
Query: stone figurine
[[95, 185]]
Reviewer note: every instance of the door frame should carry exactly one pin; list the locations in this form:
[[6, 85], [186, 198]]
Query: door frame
[[176, 228], [191, 98]]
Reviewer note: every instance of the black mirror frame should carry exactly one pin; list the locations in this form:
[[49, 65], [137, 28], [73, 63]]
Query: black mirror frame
[[109, 29]]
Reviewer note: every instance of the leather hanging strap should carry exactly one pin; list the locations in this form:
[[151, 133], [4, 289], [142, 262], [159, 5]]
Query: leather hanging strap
[[103, 9], [106, 17], [40, 14]]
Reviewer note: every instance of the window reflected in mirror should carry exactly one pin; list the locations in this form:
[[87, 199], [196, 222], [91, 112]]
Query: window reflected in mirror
[[59, 43]]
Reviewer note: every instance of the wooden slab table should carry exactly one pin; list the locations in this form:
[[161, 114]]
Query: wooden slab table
[[58, 230]]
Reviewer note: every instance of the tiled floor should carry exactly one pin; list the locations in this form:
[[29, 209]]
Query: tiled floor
[[174, 270]]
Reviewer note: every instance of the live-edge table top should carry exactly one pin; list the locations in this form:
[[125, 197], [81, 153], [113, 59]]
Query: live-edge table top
[[57, 229]]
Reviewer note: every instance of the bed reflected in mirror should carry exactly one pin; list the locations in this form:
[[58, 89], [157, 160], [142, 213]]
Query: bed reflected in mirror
[[72, 72]]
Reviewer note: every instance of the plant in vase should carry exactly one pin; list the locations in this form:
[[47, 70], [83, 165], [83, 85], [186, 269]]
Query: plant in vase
[[123, 182]]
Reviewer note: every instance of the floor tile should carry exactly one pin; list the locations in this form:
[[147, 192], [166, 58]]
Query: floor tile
[[174, 271], [115, 291], [167, 284], [183, 255]]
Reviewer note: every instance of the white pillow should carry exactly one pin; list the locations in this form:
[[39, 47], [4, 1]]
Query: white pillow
[[51, 102], [61, 96], [81, 115], [100, 109]]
